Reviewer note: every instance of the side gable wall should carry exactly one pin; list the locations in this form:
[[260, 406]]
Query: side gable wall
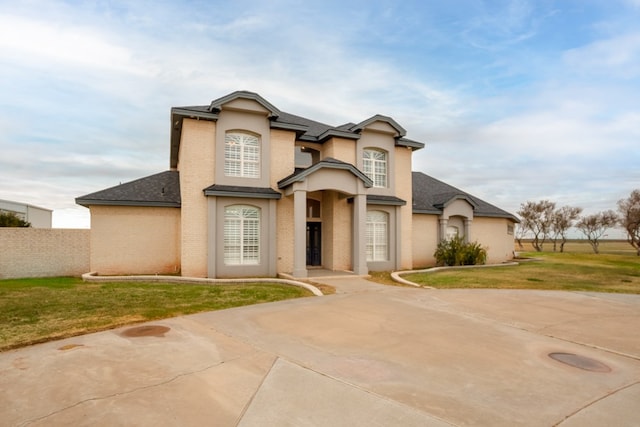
[[492, 234], [135, 240]]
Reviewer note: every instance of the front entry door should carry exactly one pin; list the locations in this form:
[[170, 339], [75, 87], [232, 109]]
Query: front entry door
[[314, 237]]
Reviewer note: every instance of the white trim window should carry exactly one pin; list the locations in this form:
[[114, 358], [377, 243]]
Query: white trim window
[[452, 232], [377, 236], [241, 155], [241, 235], [375, 166]]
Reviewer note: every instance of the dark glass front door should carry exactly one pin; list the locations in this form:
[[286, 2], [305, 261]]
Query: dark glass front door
[[314, 237]]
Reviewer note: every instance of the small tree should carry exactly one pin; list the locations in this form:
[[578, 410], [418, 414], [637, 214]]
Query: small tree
[[520, 234], [562, 221], [9, 219], [537, 218], [594, 226], [629, 218]]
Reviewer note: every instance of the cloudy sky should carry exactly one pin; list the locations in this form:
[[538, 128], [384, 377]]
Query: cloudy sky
[[516, 100]]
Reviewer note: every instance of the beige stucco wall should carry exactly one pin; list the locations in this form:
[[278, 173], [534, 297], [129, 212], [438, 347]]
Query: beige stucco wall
[[492, 234], [425, 240], [43, 252], [341, 149], [197, 171], [282, 150], [135, 240], [337, 221], [404, 191]]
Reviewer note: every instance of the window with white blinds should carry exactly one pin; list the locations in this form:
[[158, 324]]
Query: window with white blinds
[[241, 235], [375, 166], [377, 236], [241, 155]]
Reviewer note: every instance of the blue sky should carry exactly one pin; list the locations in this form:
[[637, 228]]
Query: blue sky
[[515, 100]]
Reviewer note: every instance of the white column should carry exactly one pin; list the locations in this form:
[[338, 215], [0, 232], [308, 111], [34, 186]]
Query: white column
[[467, 230], [359, 235], [443, 229], [299, 233]]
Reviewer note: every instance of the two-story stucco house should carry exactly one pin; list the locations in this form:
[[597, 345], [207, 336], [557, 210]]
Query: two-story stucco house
[[255, 191]]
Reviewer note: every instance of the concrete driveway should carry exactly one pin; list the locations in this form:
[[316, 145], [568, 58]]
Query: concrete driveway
[[370, 355]]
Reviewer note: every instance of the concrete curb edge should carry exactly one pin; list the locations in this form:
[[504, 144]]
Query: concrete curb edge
[[93, 277]]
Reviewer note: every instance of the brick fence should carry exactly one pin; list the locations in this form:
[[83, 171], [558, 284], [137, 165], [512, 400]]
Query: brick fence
[[43, 252]]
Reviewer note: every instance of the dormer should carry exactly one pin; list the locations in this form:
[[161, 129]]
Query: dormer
[[245, 101], [380, 123]]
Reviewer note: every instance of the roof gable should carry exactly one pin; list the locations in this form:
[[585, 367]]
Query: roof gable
[[371, 122], [327, 163], [432, 196], [240, 95]]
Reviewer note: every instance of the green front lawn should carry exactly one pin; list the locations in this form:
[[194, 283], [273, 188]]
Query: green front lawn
[[43, 309], [555, 271]]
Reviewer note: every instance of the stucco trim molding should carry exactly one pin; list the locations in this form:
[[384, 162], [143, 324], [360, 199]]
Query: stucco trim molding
[[94, 277]]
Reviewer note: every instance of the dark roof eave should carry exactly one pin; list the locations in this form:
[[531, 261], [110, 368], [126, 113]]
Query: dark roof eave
[[247, 194], [193, 114], [298, 129], [409, 143], [89, 202], [238, 191], [385, 200], [496, 215]]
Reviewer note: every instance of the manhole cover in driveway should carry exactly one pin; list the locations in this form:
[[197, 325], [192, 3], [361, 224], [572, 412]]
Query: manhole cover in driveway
[[146, 331], [580, 362]]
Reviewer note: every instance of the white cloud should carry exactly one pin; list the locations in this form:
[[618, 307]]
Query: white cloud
[[34, 41], [618, 55]]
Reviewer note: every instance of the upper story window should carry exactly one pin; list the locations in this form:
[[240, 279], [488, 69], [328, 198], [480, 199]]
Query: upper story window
[[375, 166], [241, 155]]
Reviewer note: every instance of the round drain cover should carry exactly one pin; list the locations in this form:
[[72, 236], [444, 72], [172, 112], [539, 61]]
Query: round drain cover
[[580, 362], [146, 331]]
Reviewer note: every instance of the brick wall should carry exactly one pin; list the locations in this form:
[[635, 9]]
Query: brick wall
[[42, 252]]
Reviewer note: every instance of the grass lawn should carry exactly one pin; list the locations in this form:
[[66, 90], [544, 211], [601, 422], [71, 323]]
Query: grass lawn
[[555, 271], [43, 309]]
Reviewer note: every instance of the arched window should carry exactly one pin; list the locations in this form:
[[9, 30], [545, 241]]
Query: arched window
[[241, 155], [377, 236], [375, 166], [452, 232], [241, 235]]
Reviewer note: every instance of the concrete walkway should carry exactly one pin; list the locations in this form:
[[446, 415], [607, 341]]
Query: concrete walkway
[[370, 355]]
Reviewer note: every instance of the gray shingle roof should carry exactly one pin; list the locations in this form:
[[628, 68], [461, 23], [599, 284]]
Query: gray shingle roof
[[161, 189], [306, 129], [431, 195]]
